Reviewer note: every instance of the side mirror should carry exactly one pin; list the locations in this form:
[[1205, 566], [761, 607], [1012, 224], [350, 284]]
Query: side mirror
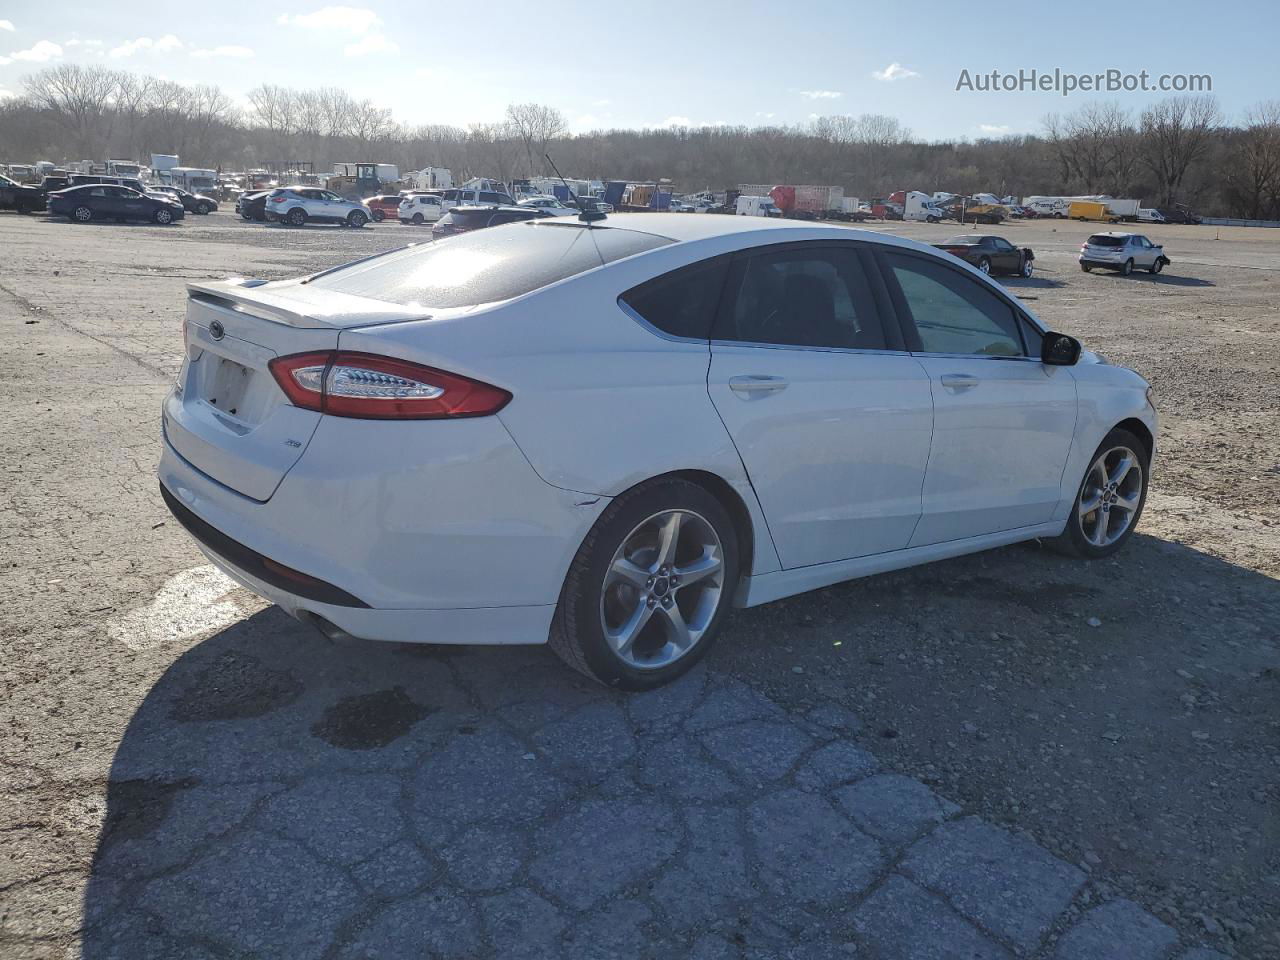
[[1059, 350]]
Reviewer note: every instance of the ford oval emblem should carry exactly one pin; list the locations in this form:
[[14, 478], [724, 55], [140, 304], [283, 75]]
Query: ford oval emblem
[[217, 330]]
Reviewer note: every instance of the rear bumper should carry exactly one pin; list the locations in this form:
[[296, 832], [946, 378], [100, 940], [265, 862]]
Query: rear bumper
[[447, 538], [1108, 264]]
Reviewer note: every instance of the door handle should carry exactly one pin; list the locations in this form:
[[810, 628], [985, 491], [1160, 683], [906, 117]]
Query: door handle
[[959, 381], [757, 385]]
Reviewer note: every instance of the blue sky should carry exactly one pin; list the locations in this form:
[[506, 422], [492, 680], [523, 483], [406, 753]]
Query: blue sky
[[650, 64]]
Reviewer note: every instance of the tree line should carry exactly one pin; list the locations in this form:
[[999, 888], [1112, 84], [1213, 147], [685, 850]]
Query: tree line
[[1178, 150]]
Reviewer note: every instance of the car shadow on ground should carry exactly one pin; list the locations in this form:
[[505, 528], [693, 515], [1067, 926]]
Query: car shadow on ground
[[279, 795], [1163, 279], [1023, 283]]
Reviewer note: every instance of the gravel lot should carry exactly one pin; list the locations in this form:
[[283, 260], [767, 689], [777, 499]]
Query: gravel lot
[[1010, 754]]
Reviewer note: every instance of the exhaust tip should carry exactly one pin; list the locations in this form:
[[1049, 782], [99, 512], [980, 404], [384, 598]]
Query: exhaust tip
[[327, 628]]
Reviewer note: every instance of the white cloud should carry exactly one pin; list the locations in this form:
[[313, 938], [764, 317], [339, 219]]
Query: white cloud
[[162, 45], [373, 43], [42, 52], [6, 93], [821, 94], [995, 129], [232, 52], [347, 19], [764, 116], [599, 103], [676, 122], [77, 42], [7, 25], [894, 71]]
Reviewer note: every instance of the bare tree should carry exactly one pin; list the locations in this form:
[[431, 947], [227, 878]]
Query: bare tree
[[536, 126], [77, 96], [1253, 177], [1176, 132]]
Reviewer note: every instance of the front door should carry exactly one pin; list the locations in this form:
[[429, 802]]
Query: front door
[[832, 418], [1003, 421]]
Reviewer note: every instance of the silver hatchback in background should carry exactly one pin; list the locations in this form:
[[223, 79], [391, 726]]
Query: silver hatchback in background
[[1122, 251]]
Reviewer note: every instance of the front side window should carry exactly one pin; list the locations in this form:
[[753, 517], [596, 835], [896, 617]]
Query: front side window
[[954, 313], [814, 297], [682, 303]]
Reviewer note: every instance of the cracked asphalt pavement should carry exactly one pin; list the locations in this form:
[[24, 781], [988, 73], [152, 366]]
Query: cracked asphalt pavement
[[1007, 755]]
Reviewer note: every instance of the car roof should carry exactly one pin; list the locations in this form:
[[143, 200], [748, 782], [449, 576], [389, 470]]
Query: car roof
[[684, 229], [1113, 233]]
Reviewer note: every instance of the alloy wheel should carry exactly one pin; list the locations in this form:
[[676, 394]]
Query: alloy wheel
[[1110, 496], [662, 589]]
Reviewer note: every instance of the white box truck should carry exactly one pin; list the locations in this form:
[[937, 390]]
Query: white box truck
[[757, 207], [1124, 209]]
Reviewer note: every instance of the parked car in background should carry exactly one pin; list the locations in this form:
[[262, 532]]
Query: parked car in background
[[253, 205], [1122, 251], [296, 206], [80, 179], [383, 206], [191, 202], [20, 197], [1178, 215], [55, 181], [597, 204], [451, 400], [420, 208], [1150, 215], [990, 254], [106, 201], [474, 196], [466, 219], [552, 205]]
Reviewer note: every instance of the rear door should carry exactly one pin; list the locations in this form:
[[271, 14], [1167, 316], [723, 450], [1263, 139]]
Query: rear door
[[1003, 421], [830, 414]]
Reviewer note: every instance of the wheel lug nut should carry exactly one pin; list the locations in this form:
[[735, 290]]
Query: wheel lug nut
[[649, 582], [650, 601], [666, 601]]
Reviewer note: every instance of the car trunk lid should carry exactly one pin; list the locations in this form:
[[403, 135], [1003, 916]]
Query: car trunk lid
[[227, 415]]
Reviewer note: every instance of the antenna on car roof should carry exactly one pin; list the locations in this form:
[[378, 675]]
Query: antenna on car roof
[[585, 215]]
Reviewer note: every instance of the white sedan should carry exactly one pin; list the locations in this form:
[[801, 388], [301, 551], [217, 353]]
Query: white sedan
[[552, 205], [604, 435]]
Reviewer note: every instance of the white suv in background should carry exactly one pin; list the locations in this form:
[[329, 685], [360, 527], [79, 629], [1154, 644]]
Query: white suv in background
[[420, 208], [298, 205]]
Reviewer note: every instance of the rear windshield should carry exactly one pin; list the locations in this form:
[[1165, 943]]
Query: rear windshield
[[1102, 240], [964, 241], [485, 266], [470, 219]]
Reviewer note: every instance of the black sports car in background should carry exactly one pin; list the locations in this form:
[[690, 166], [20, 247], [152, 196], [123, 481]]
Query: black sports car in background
[[253, 205], [990, 254], [20, 197], [105, 201]]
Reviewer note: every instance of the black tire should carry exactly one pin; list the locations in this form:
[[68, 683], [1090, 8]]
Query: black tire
[[1027, 268], [1073, 541], [984, 265], [378, 216], [203, 209], [419, 219], [162, 217], [20, 208], [296, 217], [1086, 268], [577, 633], [1156, 266], [1127, 268], [82, 214], [357, 219], [246, 215]]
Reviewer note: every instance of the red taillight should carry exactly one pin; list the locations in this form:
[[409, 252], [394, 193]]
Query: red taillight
[[372, 387], [277, 199]]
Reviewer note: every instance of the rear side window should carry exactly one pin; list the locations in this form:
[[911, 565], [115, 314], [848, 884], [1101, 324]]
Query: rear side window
[[954, 313], [682, 303], [805, 297], [485, 266]]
